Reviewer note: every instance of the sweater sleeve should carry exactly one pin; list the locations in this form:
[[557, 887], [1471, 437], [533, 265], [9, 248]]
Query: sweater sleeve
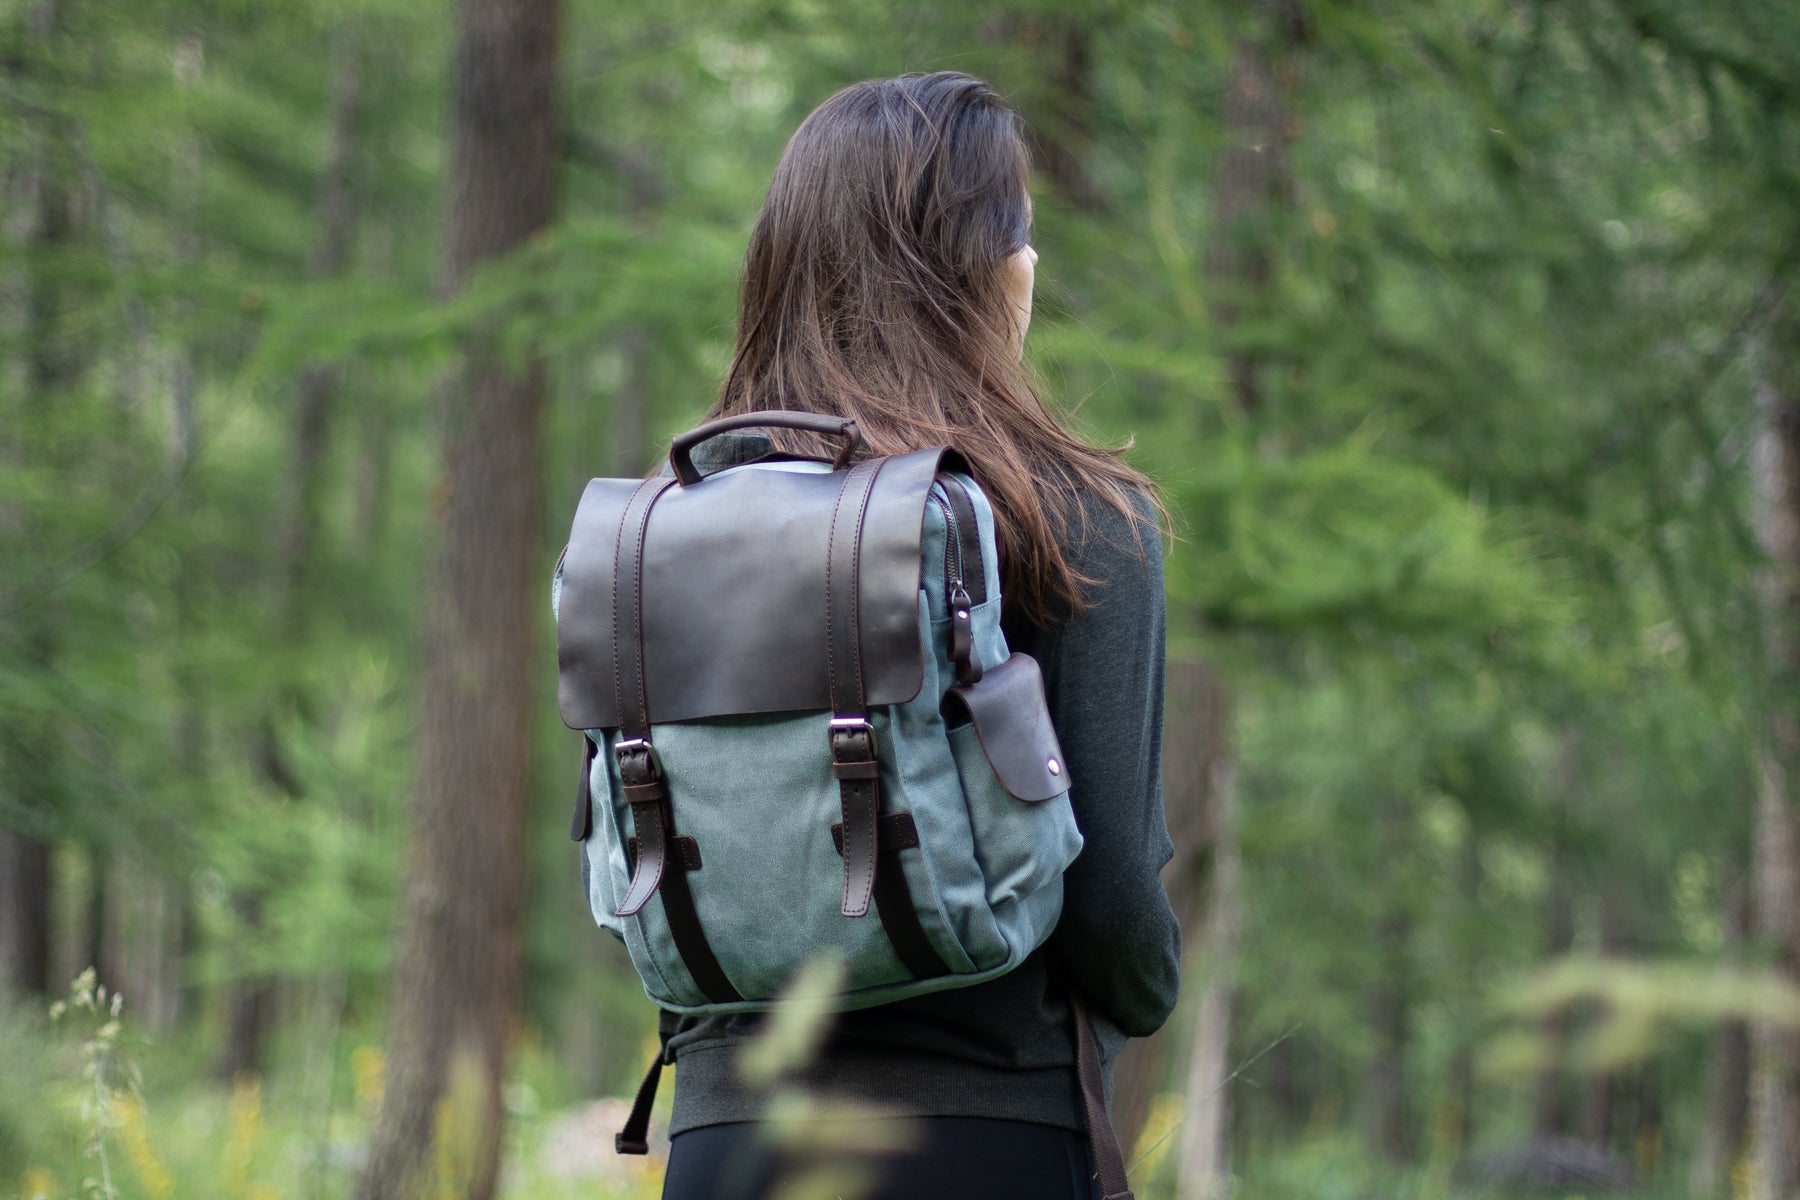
[[1118, 938]]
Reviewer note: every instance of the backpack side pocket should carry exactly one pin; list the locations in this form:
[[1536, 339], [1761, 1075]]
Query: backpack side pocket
[[1017, 790]]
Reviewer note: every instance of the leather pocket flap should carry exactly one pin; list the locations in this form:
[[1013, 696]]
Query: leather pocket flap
[[1012, 722]]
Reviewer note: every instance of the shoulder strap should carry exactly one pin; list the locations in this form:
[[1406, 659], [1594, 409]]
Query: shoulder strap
[[634, 1138], [1101, 1136]]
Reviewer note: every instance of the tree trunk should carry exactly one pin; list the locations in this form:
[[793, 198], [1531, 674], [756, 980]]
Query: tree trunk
[[1383, 1099], [1252, 180], [1727, 1102], [94, 942], [1774, 1048], [1456, 1121], [1551, 1109], [1550, 1106], [31, 749], [25, 911], [1065, 135], [457, 980], [1204, 1150], [1600, 1090], [24, 857]]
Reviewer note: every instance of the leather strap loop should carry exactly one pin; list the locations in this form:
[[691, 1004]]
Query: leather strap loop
[[644, 791], [859, 799], [897, 833], [684, 853]]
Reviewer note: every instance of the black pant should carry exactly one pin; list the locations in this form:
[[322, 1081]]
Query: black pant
[[947, 1158]]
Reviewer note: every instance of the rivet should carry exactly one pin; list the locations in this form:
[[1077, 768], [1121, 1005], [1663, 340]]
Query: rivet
[[1055, 767], [962, 614]]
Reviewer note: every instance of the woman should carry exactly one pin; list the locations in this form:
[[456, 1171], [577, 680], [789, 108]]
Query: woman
[[889, 279]]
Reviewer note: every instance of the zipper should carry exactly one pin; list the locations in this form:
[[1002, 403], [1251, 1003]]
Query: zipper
[[962, 624], [953, 576]]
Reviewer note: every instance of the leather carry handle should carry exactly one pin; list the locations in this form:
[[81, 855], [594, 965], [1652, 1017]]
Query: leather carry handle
[[681, 451]]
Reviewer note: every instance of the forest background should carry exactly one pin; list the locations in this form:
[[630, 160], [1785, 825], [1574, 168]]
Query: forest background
[[1460, 333]]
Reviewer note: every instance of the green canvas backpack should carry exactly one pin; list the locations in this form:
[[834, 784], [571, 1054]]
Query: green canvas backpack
[[804, 732]]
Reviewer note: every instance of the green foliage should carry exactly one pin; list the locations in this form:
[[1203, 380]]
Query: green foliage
[[1476, 559], [1636, 1003]]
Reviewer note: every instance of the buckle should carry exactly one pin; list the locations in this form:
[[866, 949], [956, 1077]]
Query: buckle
[[852, 739], [638, 761]]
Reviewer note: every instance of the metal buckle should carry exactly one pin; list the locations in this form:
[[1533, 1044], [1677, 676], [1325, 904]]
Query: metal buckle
[[632, 747], [847, 728]]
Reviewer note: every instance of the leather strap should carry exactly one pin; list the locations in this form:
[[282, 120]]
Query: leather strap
[[640, 772], [1110, 1163], [897, 833], [872, 870], [628, 609], [899, 916], [690, 940], [851, 736], [684, 853], [583, 823], [644, 792], [652, 820], [859, 799], [634, 1138], [843, 637]]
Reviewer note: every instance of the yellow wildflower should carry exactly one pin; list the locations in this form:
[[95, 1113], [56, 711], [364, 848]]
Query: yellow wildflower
[[134, 1131], [242, 1133]]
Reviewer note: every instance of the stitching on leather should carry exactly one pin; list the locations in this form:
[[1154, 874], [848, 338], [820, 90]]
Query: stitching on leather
[[657, 860], [862, 512], [866, 879], [844, 795], [618, 549], [643, 532], [830, 607]]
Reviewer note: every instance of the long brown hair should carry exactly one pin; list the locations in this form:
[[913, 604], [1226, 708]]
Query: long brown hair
[[875, 287]]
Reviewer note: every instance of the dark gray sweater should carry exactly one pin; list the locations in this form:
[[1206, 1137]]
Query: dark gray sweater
[[1004, 1048]]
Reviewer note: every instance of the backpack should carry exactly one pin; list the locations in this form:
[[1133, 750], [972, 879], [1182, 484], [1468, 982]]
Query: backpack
[[804, 732], [804, 735]]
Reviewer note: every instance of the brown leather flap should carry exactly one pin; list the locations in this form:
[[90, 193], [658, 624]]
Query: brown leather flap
[[734, 594], [1012, 722]]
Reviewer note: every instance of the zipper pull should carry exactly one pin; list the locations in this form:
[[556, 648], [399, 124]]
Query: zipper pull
[[962, 635]]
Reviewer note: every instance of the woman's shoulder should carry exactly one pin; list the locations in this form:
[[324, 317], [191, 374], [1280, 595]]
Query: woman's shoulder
[[1107, 541]]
